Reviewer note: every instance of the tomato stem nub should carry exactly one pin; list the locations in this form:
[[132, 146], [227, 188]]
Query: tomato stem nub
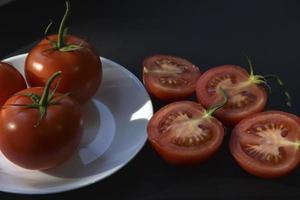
[[60, 44], [214, 108], [60, 40]]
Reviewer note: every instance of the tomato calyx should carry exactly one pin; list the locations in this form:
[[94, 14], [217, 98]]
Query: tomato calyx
[[47, 98], [262, 80], [259, 79], [60, 44]]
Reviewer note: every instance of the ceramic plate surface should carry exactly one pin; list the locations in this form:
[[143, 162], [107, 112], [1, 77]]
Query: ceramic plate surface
[[115, 131]]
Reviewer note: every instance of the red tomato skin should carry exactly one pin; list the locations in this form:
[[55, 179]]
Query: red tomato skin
[[11, 81], [266, 173], [45, 146], [206, 101], [81, 69], [177, 156]]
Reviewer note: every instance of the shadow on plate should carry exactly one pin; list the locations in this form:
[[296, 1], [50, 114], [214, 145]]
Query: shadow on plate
[[112, 135]]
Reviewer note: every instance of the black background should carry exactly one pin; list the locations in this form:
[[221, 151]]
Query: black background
[[208, 33]]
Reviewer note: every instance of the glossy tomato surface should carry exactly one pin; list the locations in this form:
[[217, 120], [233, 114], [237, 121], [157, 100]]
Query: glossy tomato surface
[[181, 136], [244, 97], [11, 81], [47, 145], [81, 68], [267, 144], [169, 78]]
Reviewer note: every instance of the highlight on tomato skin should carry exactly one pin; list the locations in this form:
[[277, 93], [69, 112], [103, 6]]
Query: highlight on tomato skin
[[267, 144], [245, 95], [182, 134], [169, 78], [11, 81]]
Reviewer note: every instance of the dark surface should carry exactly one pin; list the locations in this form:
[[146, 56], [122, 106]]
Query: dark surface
[[208, 33]]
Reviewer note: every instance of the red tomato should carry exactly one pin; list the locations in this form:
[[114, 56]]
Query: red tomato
[[81, 68], [182, 133], [267, 144], [44, 145], [246, 97], [11, 81], [169, 78]]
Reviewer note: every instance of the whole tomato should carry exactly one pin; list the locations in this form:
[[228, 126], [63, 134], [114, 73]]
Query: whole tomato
[[11, 81], [77, 59], [39, 128]]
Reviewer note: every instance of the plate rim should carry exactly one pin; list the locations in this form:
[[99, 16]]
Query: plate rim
[[116, 169]]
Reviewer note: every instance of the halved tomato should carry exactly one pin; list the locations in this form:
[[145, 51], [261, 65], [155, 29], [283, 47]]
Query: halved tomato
[[185, 133], [169, 78], [246, 96], [267, 144]]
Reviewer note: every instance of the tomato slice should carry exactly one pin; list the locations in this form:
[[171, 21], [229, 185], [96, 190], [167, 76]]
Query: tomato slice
[[267, 144], [181, 134], [245, 96], [169, 78]]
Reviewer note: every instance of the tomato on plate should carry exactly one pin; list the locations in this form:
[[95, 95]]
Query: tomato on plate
[[184, 133], [76, 58], [267, 144], [39, 128], [11, 81], [169, 78], [246, 96]]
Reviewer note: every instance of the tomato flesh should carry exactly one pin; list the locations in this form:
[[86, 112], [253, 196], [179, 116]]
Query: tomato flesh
[[11, 81], [180, 134], [81, 69], [244, 97], [47, 145], [169, 78], [267, 144]]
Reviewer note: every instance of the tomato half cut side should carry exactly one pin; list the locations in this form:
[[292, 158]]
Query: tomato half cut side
[[267, 144], [245, 97], [169, 78], [181, 134]]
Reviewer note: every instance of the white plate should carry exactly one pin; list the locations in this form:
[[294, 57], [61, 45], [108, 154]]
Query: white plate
[[115, 131]]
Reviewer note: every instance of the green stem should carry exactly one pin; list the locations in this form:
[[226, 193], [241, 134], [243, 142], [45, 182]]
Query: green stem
[[60, 40], [48, 27], [259, 79], [44, 99], [216, 107], [250, 66]]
